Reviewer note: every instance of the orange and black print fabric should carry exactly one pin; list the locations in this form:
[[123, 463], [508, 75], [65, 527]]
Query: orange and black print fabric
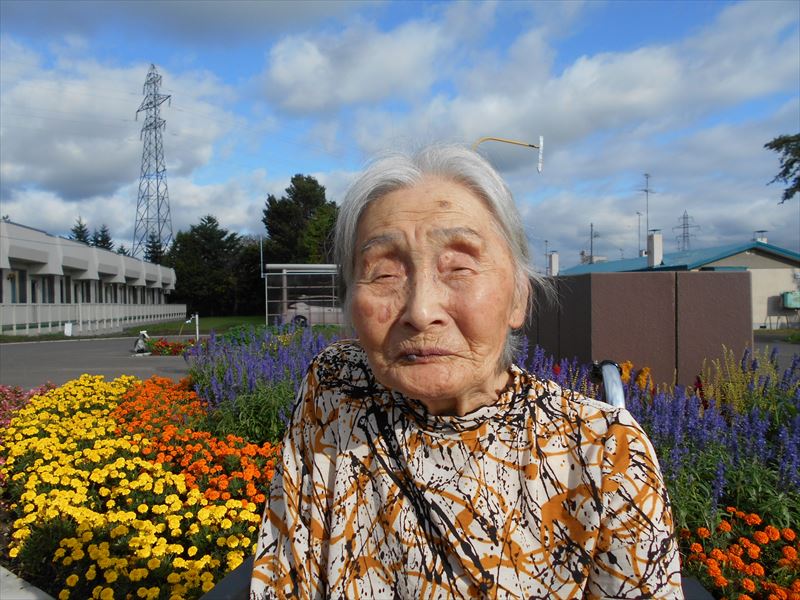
[[540, 495]]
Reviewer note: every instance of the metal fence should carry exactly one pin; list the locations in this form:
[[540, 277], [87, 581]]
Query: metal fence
[[84, 318]]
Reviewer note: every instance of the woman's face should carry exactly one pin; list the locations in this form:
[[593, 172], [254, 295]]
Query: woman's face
[[434, 295]]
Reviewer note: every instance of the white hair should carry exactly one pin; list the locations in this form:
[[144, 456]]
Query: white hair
[[455, 163]]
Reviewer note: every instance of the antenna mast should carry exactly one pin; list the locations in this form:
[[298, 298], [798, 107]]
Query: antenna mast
[[153, 219], [647, 191]]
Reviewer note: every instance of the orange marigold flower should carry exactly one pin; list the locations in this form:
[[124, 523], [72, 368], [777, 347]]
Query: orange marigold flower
[[789, 553], [761, 537], [703, 533], [744, 597], [754, 552], [685, 533], [717, 554], [748, 585], [788, 534], [724, 526], [731, 509], [720, 581], [756, 570], [752, 519], [695, 548], [772, 532]]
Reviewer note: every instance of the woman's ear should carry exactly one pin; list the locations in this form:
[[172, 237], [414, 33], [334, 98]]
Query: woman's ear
[[519, 307]]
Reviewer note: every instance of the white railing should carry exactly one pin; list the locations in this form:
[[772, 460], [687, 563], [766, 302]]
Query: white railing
[[86, 319]]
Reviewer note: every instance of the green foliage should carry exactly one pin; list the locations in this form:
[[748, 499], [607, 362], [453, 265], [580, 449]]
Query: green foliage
[[80, 232], [153, 250], [123, 250], [102, 238], [299, 224], [788, 146], [205, 259], [258, 417], [757, 385], [35, 556]]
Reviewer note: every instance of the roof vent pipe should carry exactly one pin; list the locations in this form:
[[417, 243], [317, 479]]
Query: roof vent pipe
[[655, 248], [552, 267]]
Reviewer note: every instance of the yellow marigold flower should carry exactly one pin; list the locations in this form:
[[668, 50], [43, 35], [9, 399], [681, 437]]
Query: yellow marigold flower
[[142, 508], [72, 580], [91, 573], [173, 578], [192, 550], [153, 564], [107, 594], [207, 586], [63, 595], [111, 577]]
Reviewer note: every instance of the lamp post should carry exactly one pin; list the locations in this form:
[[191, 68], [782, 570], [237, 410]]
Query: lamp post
[[539, 147]]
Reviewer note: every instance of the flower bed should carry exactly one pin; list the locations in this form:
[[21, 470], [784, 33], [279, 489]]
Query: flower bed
[[744, 558], [163, 347], [154, 489], [101, 515]]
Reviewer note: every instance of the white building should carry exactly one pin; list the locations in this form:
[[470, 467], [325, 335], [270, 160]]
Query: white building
[[48, 281]]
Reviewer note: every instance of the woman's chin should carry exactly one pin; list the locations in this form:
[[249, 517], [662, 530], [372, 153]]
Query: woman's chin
[[427, 382]]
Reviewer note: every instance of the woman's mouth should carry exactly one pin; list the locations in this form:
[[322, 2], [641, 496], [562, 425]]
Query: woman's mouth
[[423, 355]]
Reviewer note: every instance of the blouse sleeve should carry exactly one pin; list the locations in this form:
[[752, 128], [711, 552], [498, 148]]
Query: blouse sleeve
[[636, 554], [293, 539]]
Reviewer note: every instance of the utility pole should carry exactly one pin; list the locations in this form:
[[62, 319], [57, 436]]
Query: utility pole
[[153, 217], [592, 235], [647, 191], [639, 232], [546, 260]]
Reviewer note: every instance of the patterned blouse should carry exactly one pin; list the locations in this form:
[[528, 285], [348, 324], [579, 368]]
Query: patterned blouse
[[541, 495]]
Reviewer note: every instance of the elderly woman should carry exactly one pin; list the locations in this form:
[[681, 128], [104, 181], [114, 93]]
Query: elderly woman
[[419, 461]]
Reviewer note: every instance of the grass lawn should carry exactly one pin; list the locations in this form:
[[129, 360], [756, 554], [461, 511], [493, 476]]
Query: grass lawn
[[786, 334], [207, 324]]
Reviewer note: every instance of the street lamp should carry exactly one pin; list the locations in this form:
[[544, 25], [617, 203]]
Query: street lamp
[[539, 147]]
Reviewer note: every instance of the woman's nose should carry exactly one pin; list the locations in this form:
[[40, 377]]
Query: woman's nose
[[425, 302]]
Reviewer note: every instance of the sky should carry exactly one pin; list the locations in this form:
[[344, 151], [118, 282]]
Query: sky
[[688, 92]]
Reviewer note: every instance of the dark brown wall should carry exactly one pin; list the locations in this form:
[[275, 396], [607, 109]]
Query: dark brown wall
[[713, 311], [668, 321], [635, 317]]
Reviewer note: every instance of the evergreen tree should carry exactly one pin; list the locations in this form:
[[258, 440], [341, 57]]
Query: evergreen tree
[[123, 250], [299, 223], [80, 232], [102, 238], [788, 146], [205, 259], [153, 250]]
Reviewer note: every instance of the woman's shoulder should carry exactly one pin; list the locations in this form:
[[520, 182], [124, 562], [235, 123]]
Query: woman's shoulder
[[576, 406], [342, 363]]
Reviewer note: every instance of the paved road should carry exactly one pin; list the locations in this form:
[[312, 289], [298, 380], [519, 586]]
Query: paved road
[[30, 364], [786, 351]]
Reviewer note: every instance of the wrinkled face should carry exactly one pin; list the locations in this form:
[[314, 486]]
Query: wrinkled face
[[434, 295]]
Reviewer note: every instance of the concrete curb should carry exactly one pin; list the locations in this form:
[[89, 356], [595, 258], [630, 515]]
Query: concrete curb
[[14, 588]]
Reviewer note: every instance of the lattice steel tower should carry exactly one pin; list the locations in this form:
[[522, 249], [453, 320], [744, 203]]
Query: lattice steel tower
[[152, 206]]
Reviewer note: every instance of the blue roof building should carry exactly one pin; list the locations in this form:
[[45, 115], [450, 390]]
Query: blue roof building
[[774, 275]]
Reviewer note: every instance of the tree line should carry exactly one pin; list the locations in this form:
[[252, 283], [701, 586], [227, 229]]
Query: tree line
[[218, 272]]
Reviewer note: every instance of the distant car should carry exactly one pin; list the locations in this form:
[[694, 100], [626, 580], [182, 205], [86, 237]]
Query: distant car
[[313, 311]]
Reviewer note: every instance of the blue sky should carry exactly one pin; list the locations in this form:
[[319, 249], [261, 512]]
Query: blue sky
[[686, 91]]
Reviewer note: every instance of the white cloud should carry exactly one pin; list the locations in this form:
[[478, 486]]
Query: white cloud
[[72, 128], [313, 73]]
